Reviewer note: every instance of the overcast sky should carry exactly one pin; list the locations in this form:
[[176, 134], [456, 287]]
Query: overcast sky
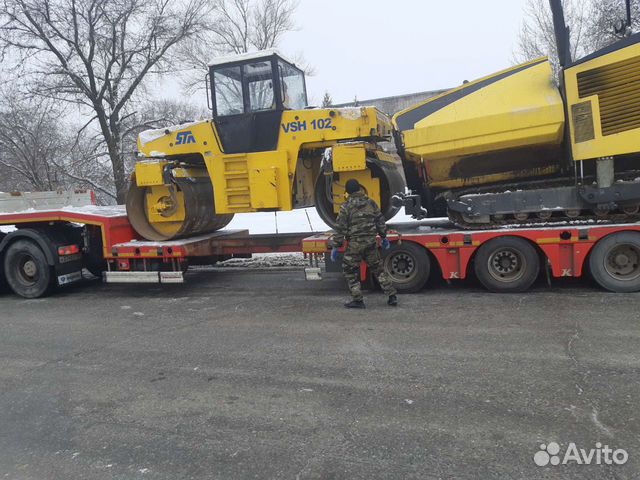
[[379, 48]]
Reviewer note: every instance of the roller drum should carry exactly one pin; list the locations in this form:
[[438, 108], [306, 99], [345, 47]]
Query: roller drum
[[391, 182], [199, 211]]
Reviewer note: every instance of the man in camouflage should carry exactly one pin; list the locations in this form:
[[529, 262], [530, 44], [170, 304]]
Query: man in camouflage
[[359, 221]]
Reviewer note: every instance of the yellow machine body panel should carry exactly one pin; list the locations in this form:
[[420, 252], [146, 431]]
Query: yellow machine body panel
[[603, 96], [150, 173], [369, 184], [477, 133], [249, 182], [349, 157]]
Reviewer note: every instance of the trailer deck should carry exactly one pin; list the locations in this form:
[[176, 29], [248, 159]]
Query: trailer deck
[[131, 261], [504, 260], [127, 258], [563, 250]]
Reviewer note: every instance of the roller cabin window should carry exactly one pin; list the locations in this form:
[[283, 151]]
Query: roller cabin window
[[260, 86], [228, 91], [294, 95]]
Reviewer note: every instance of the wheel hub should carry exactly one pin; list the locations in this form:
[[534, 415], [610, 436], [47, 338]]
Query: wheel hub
[[401, 267], [402, 264], [166, 206], [29, 268], [505, 262], [623, 262], [506, 265]]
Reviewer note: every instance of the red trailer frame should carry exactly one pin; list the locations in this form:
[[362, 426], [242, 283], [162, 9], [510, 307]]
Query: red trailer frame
[[565, 249], [125, 257]]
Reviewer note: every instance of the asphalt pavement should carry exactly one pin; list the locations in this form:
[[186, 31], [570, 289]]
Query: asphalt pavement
[[260, 374]]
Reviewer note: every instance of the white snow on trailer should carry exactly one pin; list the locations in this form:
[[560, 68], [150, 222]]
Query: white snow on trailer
[[38, 201]]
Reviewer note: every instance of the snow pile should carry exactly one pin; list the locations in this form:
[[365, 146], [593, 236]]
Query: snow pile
[[266, 260], [241, 57], [97, 210], [100, 210], [351, 113]]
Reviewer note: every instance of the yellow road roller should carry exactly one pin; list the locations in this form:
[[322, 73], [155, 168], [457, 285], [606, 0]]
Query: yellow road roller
[[264, 150]]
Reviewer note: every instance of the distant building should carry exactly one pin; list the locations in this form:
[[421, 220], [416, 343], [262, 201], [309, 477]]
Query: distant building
[[392, 105]]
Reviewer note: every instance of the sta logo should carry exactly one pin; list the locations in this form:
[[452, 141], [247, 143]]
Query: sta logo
[[183, 138]]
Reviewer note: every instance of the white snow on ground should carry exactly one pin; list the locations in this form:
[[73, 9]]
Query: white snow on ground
[[266, 260], [289, 222], [270, 222]]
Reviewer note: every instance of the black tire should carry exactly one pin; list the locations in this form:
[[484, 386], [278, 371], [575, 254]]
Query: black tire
[[26, 269], [408, 266], [507, 265], [4, 287], [325, 208], [200, 216], [614, 262]]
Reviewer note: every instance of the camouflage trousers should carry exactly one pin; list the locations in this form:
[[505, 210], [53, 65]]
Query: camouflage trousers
[[357, 252]]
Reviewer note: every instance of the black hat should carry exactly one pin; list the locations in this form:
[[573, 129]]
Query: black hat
[[352, 186]]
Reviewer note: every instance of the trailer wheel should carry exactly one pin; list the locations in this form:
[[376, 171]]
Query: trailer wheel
[[615, 262], [26, 269], [408, 266], [507, 264]]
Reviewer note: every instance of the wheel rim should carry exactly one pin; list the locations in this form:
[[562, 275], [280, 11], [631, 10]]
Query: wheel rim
[[27, 270], [401, 267], [622, 262], [506, 265]]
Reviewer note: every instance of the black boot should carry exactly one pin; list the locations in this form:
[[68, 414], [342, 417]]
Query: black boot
[[355, 304], [393, 301]]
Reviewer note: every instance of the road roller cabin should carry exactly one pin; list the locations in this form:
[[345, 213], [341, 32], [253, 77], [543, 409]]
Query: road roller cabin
[[264, 150]]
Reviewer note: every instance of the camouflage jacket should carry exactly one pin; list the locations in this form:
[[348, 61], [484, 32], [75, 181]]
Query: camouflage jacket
[[359, 220]]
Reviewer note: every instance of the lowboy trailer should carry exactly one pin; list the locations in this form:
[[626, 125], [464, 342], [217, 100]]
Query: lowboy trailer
[[508, 259], [58, 234], [53, 236]]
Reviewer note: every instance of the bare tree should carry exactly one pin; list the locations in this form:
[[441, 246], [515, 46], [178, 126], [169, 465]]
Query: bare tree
[[30, 144], [607, 16], [537, 38], [39, 151], [591, 25], [87, 164], [97, 54], [156, 114], [239, 26], [327, 101]]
